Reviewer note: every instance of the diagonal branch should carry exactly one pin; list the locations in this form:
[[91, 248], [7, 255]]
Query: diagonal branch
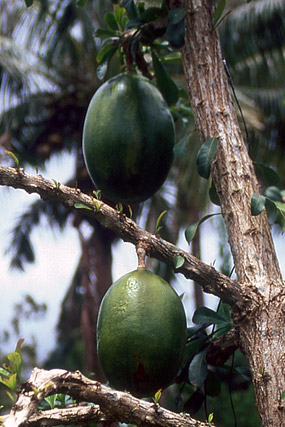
[[109, 405], [207, 276]]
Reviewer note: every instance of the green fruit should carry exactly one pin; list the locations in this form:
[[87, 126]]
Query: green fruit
[[141, 333], [128, 139]]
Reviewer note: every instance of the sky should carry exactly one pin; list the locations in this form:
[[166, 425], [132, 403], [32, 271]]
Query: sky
[[57, 255]]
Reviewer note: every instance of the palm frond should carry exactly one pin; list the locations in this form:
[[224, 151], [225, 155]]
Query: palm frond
[[251, 110], [253, 42], [21, 246], [62, 31], [21, 72], [252, 31], [26, 122], [10, 15], [270, 99], [257, 10]]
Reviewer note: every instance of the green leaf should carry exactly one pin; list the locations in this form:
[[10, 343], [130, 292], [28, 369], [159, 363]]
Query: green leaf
[[96, 207], [219, 11], [13, 157], [121, 17], [131, 9], [172, 58], [192, 229], [225, 311], [280, 215], [204, 315], [106, 51], [152, 13], [158, 227], [192, 347], [104, 32], [177, 15], [10, 382], [257, 204], [81, 3], [175, 34], [211, 416], [157, 396], [283, 395], [212, 384], [5, 372], [198, 370], [81, 206], [175, 31], [51, 400], [134, 23], [15, 360], [178, 261], [130, 211], [221, 330], [214, 195], [97, 194], [111, 21], [205, 157], [195, 331], [273, 193], [119, 207], [164, 82], [195, 402], [56, 183], [269, 175], [29, 2], [181, 147]]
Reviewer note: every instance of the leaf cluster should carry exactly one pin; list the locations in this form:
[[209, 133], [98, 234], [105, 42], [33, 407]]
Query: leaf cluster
[[135, 33], [272, 199], [10, 372], [198, 378]]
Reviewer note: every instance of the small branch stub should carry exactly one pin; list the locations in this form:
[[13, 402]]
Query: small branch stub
[[141, 254]]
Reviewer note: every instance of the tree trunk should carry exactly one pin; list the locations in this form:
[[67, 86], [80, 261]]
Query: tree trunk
[[260, 315], [96, 278]]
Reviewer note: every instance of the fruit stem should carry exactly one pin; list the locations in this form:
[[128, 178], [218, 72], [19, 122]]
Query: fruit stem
[[141, 254]]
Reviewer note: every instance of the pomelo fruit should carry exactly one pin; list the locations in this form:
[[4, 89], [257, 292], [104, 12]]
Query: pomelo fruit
[[128, 139], [141, 333]]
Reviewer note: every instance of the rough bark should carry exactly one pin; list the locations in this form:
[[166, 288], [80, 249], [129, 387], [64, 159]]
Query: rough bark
[[261, 324], [109, 405]]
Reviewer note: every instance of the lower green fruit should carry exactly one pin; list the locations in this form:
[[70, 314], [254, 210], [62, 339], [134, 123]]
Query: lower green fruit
[[141, 333]]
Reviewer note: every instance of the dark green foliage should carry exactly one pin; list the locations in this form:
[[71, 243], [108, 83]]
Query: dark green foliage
[[164, 82], [205, 157], [197, 371], [175, 31]]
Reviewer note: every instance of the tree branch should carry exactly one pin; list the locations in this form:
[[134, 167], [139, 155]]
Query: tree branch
[[207, 276], [110, 405]]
